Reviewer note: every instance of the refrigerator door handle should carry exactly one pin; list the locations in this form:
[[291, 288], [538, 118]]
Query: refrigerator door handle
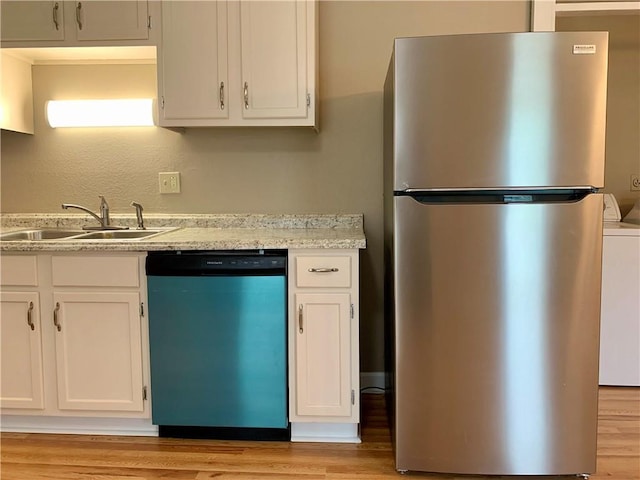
[[497, 197]]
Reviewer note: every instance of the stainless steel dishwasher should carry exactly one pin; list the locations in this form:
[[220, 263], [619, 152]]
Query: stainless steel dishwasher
[[217, 334]]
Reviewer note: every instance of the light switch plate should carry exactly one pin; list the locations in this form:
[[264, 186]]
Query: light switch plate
[[635, 183], [169, 182]]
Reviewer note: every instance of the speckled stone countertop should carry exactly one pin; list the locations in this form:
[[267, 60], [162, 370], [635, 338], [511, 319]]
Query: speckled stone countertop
[[197, 232]]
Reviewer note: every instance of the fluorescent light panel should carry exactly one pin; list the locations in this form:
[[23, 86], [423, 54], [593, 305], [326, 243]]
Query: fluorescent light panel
[[100, 113]]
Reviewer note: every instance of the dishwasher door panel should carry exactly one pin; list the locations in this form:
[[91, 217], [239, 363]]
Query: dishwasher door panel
[[218, 351]]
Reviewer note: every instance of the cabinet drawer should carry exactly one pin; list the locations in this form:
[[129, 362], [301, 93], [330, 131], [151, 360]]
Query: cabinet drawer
[[89, 271], [323, 271], [20, 270]]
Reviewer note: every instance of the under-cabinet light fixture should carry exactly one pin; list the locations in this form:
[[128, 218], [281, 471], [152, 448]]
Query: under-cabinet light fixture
[[100, 113]]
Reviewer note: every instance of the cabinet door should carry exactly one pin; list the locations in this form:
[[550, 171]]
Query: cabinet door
[[21, 351], [98, 351], [16, 94], [323, 354], [274, 55], [111, 20], [192, 62], [35, 20]]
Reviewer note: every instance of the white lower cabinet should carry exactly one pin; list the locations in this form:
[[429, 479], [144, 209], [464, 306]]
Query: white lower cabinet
[[324, 403], [323, 345], [98, 351], [75, 344], [21, 350]]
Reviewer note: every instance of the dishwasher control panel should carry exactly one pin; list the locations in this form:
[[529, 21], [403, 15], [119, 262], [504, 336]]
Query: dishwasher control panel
[[260, 262]]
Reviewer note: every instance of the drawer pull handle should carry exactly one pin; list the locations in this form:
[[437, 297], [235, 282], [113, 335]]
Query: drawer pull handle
[[221, 95], [56, 320], [30, 316], [323, 270], [300, 328]]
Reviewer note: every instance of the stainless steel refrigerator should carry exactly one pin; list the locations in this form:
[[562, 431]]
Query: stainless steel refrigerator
[[494, 153]]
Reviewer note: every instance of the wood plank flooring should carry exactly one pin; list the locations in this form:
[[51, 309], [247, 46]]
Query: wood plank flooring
[[84, 457]]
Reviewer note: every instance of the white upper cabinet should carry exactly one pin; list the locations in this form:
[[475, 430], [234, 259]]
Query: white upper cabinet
[[274, 55], [237, 63], [16, 94], [74, 24], [32, 21], [194, 79], [111, 20]]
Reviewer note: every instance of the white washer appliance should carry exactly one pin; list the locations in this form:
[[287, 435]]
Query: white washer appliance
[[620, 310]]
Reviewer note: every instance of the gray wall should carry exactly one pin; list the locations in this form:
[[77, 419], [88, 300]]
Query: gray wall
[[239, 170], [623, 99]]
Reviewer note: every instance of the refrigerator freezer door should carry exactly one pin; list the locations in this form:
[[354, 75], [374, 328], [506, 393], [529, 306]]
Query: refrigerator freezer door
[[499, 110], [496, 348]]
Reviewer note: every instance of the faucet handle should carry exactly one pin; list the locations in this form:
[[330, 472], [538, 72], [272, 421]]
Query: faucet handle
[[139, 209], [104, 211]]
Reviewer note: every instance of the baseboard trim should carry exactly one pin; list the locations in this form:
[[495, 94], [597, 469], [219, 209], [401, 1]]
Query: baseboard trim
[[325, 432], [78, 425], [300, 432]]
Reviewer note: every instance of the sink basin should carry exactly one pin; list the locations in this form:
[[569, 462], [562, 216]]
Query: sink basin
[[121, 234], [39, 234]]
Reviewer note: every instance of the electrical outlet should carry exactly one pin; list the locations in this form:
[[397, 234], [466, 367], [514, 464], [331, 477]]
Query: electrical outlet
[[635, 183], [169, 182]]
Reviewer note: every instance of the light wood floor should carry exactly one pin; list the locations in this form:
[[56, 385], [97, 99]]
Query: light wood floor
[[77, 457]]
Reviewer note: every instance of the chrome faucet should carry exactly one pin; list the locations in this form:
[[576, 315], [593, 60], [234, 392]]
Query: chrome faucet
[[105, 223], [139, 209], [104, 212]]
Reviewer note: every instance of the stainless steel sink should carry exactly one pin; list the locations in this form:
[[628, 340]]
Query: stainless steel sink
[[121, 234], [40, 234]]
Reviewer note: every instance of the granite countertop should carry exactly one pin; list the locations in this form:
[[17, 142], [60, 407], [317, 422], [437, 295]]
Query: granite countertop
[[198, 232]]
